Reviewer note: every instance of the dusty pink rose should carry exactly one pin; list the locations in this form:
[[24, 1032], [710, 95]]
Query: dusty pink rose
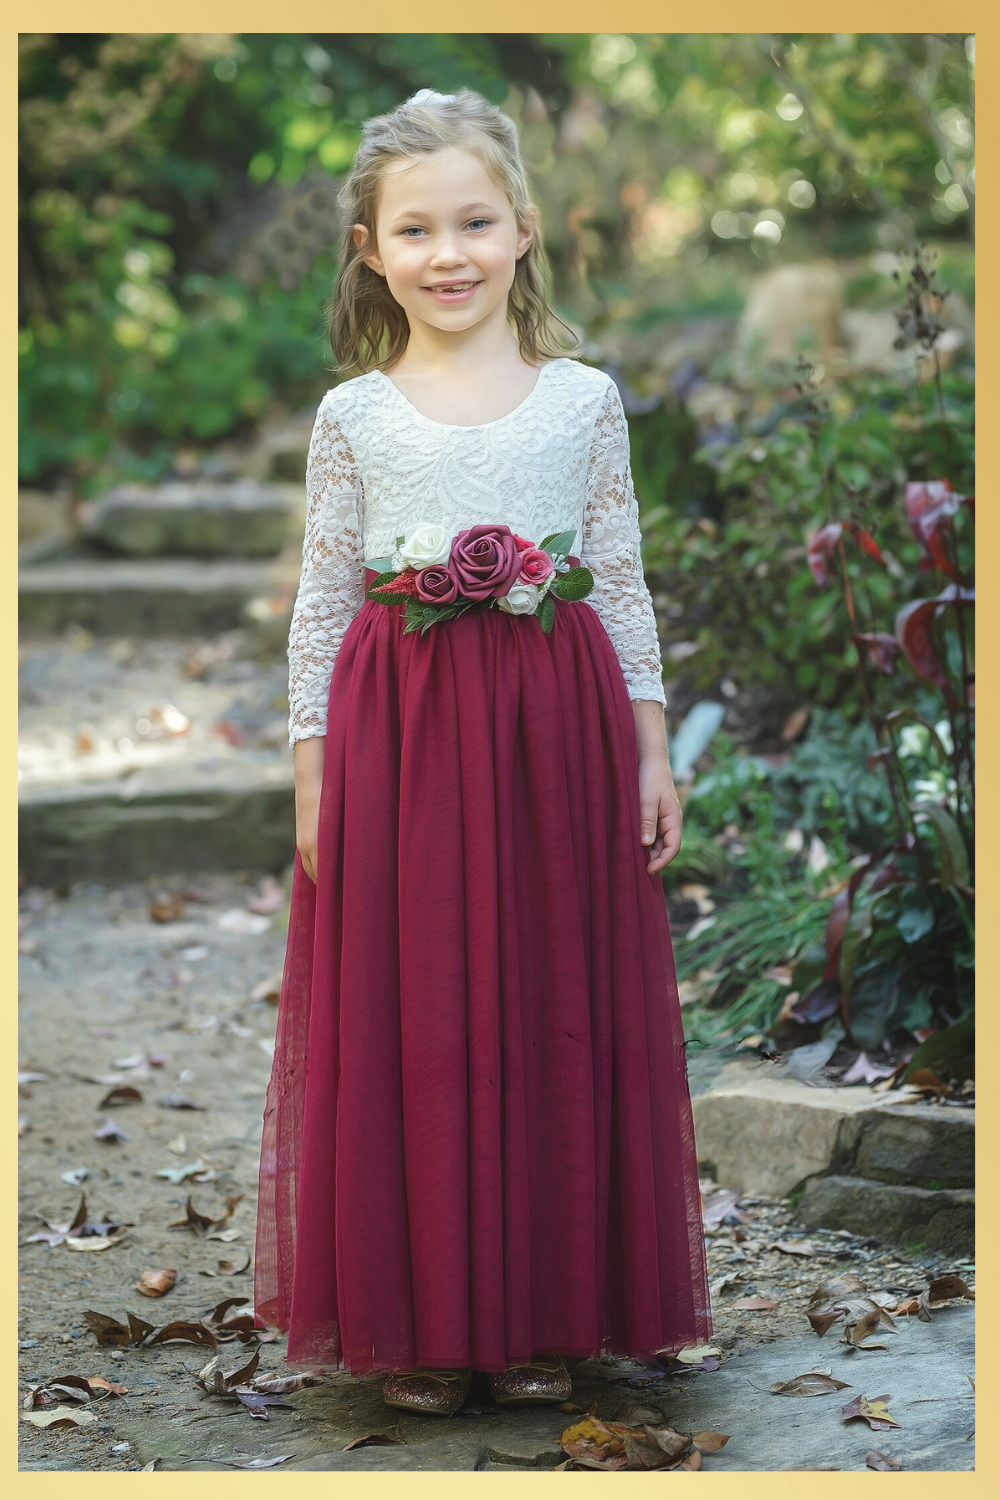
[[485, 561], [536, 566], [436, 584]]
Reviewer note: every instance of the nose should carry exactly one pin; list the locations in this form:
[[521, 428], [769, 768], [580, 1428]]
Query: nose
[[447, 253]]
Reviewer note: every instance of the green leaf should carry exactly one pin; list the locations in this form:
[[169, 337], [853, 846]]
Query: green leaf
[[559, 545], [954, 858], [546, 613], [576, 584], [953, 1049], [917, 917], [871, 1003], [856, 933], [380, 564]]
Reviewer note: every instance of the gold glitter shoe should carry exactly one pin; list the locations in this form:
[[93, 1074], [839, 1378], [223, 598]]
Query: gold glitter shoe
[[543, 1380], [439, 1393]]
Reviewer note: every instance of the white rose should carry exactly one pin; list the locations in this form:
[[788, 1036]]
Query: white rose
[[521, 600], [425, 544]]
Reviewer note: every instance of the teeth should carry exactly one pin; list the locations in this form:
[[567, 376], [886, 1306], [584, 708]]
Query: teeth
[[456, 286]]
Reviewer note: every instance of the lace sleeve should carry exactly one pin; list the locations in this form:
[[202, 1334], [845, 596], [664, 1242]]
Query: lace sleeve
[[611, 550], [331, 587]]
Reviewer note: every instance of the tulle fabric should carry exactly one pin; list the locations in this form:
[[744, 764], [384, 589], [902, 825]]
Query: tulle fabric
[[477, 1142]]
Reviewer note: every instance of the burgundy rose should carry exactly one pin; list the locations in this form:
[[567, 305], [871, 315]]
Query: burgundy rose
[[536, 566], [436, 584], [485, 560]]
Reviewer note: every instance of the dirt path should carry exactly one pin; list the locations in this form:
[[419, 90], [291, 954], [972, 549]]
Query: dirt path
[[168, 1009]]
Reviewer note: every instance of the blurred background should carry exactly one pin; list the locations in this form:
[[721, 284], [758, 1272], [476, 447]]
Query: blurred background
[[767, 240]]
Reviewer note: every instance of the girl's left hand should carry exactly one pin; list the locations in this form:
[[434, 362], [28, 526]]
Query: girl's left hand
[[662, 819]]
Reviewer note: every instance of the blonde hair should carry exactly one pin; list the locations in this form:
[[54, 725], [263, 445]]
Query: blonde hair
[[368, 328]]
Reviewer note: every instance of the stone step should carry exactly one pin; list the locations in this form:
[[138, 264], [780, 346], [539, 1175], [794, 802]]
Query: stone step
[[763, 1132], [199, 518], [160, 821], [942, 1221], [154, 596]]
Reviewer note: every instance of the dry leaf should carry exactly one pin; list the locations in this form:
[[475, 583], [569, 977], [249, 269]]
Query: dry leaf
[[229, 1267], [166, 908], [91, 1242], [196, 1170], [107, 1330], [110, 1131], [695, 1355], [876, 1460], [710, 1442], [179, 1101], [122, 1093], [863, 1070], [268, 989], [156, 1283], [186, 1333], [811, 1384], [202, 1225], [874, 1411], [59, 1416], [719, 1204], [755, 1304], [371, 1440], [281, 1385], [139, 1329], [799, 1247]]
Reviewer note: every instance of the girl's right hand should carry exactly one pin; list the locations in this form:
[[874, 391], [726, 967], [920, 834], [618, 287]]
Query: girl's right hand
[[308, 756]]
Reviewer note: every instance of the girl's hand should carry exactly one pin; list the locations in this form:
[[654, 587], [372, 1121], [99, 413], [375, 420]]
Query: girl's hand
[[658, 800], [308, 755], [660, 807]]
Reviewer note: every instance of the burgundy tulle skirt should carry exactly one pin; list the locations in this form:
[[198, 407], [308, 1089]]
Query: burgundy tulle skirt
[[477, 1140]]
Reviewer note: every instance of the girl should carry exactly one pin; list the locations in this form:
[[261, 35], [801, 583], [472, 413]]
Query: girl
[[477, 1149]]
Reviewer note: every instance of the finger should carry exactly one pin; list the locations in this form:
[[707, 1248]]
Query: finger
[[648, 819]]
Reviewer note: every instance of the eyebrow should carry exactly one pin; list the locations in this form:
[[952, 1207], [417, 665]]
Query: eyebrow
[[415, 213]]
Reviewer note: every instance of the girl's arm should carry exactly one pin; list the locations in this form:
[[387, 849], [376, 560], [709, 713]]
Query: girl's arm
[[612, 551], [331, 591]]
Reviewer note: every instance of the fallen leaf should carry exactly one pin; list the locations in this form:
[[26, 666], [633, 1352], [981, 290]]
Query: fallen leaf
[[226, 1235], [107, 1330], [23, 1078], [230, 1267], [220, 1309], [156, 1283], [876, 1460], [862, 1070], [371, 1440], [179, 1101], [75, 1177], [709, 1442], [720, 1204], [268, 989], [59, 1416], [97, 1382], [810, 1384], [91, 1242], [185, 1332], [110, 1131], [874, 1411], [123, 1093], [799, 1247], [139, 1329], [256, 1404], [279, 1385], [177, 1175], [754, 1304], [178, 1145], [201, 1224], [695, 1355], [242, 923], [166, 908], [269, 898]]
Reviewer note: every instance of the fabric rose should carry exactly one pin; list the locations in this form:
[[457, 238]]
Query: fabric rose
[[425, 544], [485, 561], [536, 566], [521, 544], [436, 585], [521, 599]]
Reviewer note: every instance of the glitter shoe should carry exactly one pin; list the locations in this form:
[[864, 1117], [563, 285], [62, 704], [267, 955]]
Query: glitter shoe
[[439, 1393], [522, 1385]]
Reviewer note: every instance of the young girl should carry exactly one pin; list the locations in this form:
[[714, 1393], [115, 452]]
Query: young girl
[[478, 1151]]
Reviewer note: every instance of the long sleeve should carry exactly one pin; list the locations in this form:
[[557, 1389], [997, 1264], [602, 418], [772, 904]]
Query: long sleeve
[[331, 587], [611, 550]]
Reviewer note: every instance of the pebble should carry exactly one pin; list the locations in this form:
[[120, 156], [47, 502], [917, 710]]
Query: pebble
[[122, 1448]]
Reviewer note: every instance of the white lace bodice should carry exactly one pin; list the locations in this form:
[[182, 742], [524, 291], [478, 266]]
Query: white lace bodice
[[558, 462]]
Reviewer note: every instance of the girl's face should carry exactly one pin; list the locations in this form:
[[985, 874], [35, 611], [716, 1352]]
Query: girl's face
[[447, 240]]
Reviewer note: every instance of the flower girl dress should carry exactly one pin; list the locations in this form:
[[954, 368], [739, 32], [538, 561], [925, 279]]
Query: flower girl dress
[[477, 1143]]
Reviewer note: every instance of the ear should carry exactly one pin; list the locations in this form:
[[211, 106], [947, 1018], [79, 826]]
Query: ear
[[527, 234], [373, 259]]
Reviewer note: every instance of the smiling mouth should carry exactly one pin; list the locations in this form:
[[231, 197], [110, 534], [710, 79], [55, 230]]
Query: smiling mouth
[[452, 286]]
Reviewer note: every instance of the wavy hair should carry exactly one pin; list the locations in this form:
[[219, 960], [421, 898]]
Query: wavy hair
[[367, 327]]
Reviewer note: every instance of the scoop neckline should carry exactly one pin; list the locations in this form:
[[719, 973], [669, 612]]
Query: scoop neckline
[[467, 426]]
